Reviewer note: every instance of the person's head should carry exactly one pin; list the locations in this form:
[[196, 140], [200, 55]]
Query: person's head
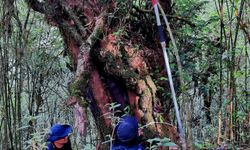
[[59, 135], [127, 130]]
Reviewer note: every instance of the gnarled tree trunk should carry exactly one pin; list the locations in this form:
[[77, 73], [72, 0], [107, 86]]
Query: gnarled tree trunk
[[113, 50]]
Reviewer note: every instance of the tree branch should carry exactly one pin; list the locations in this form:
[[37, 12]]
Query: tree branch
[[36, 5], [75, 18], [245, 30], [150, 11]]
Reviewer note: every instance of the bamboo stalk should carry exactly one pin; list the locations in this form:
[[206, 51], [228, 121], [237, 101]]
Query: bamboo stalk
[[219, 128]]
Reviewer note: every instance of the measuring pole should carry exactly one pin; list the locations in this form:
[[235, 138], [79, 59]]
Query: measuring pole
[[164, 49]]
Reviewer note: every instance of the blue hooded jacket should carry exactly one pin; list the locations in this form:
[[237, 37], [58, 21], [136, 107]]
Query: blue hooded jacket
[[126, 134], [122, 147]]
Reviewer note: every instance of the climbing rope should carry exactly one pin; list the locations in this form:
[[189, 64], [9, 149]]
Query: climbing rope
[[164, 49]]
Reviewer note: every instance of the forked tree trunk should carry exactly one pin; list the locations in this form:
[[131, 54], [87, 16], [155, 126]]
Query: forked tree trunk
[[109, 65]]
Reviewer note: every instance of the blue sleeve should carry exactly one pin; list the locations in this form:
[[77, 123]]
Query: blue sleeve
[[140, 147], [50, 146], [120, 147]]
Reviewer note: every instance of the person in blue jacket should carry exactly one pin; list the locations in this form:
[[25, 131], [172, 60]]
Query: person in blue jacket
[[126, 134], [59, 137]]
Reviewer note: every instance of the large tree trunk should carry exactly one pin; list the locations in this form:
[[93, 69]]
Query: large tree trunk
[[112, 60]]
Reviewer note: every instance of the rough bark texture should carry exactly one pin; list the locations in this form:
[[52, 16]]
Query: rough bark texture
[[109, 67]]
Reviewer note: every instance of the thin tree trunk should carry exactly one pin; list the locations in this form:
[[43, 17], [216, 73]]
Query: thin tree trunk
[[221, 2], [227, 117], [231, 70], [233, 100], [219, 128], [245, 84], [189, 127]]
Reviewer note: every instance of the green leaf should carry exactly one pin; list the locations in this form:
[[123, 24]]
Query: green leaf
[[163, 78], [187, 77], [239, 74], [199, 146], [167, 144], [23, 127], [162, 141], [150, 140], [165, 139], [154, 140], [236, 2], [161, 118]]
